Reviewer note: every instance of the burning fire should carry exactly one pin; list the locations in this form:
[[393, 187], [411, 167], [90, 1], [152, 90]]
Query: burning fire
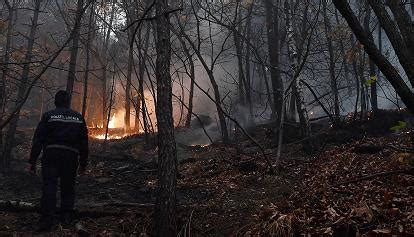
[[116, 123], [110, 137], [111, 123], [116, 128]]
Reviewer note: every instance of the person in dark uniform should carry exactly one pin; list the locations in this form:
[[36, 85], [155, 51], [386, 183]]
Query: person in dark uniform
[[62, 134]]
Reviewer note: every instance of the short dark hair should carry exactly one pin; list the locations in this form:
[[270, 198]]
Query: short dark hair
[[62, 99]]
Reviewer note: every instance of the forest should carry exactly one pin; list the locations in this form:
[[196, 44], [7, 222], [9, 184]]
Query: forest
[[208, 117]]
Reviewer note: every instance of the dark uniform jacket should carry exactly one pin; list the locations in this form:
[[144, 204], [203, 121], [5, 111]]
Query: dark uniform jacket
[[61, 128]]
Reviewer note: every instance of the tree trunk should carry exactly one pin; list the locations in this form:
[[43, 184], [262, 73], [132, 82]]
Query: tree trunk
[[127, 118], [87, 49], [74, 51], [5, 69], [297, 87], [362, 86], [334, 84], [191, 94], [401, 46], [9, 141], [355, 68], [266, 82], [165, 222], [247, 61], [412, 6], [344, 59], [104, 97], [383, 64], [404, 22], [105, 67], [141, 103], [239, 53], [292, 108], [372, 71], [273, 42], [108, 116]]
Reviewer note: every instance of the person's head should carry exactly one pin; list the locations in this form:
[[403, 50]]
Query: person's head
[[62, 99]]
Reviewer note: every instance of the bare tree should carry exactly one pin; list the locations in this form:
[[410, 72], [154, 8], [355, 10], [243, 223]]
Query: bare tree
[[130, 10], [167, 154], [87, 52], [332, 72], [5, 68], [141, 103], [74, 51], [190, 72], [372, 70], [380, 60], [238, 44], [210, 72], [105, 60], [273, 43], [24, 82]]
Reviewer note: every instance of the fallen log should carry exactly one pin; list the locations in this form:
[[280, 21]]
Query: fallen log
[[368, 177]]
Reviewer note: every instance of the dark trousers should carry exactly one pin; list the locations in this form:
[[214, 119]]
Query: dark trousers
[[58, 164]]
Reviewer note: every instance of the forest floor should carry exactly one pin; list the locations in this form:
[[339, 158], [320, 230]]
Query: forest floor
[[359, 185]]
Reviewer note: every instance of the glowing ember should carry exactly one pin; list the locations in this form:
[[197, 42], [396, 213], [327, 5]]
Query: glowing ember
[[110, 137]]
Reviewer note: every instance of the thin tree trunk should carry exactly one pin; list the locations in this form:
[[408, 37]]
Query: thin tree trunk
[[108, 116], [297, 87], [355, 68], [74, 51], [247, 61], [334, 84], [273, 42], [165, 222], [292, 108], [191, 75], [239, 51], [372, 71], [222, 118], [5, 69], [87, 49], [141, 96], [127, 118], [105, 51], [344, 59], [280, 137], [412, 6], [191, 94], [268, 92], [9, 142], [362, 87], [380, 50]]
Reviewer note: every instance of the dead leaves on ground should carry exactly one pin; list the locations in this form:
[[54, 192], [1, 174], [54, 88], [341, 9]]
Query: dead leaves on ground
[[381, 206]]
